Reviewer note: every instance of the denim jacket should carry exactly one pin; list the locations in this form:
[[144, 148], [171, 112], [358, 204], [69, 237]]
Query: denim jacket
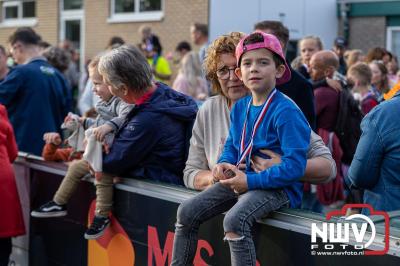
[[376, 163]]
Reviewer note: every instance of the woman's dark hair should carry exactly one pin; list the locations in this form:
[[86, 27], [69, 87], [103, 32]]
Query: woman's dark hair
[[376, 53]]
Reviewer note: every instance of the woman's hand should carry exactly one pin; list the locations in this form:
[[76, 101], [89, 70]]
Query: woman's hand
[[203, 180], [259, 164]]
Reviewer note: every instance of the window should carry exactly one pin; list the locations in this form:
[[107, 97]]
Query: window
[[72, 4], [393, 39], [136, 10], [124, 6], [11, 12], [150, 5], [18, 13], [28, 9]]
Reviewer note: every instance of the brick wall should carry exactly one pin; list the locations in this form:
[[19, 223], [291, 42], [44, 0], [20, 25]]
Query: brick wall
[[367, 32], [173, 28], [178, 15], [47, 26]]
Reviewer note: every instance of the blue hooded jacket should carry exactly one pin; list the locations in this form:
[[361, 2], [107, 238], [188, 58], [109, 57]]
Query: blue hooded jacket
[[153, 143], [37, 98]]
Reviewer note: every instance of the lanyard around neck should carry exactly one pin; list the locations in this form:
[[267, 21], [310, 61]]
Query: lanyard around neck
[[245, 150]]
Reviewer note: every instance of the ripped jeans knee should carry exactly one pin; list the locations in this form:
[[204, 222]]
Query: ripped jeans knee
[[241, 248], [231, 236], [236, 226]]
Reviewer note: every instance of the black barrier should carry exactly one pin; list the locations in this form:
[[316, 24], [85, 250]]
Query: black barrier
[[142, 228]]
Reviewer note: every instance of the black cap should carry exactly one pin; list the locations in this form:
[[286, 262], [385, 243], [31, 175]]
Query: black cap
[[340, 42]]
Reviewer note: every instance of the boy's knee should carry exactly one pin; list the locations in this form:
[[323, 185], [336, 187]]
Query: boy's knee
[[77, 165], [232, 223]]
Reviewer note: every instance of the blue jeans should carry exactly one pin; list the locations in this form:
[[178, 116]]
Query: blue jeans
[[241, 214], [310, 202]]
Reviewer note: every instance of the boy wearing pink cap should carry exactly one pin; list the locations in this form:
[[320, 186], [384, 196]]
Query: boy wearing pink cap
[[266, 119]]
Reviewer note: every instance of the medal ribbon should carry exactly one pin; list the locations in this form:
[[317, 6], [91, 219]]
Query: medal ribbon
[[245, 150]]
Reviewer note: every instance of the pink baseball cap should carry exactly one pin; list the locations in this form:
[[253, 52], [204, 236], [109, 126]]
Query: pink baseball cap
[[272, 44]]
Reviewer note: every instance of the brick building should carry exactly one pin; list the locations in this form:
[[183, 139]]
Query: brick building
[[91, 23], [370, 23]]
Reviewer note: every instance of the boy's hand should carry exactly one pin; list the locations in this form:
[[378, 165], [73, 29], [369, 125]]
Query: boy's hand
[[101, 131], [219, 169], [238, 183], [259, 164], [242, 166], [52, 137]]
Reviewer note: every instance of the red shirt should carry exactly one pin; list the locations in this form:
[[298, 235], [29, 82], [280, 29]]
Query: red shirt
[[367, 104], [327, 107]]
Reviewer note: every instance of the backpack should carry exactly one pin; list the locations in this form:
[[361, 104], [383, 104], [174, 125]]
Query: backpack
[[347, 126]]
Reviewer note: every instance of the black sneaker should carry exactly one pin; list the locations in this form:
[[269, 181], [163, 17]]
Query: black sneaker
[[50, 209], [97, 228]]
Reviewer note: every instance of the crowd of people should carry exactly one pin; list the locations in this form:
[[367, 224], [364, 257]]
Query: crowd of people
[[251, 131]]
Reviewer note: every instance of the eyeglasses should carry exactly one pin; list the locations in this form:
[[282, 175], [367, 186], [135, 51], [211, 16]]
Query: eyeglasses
[[225, 72]]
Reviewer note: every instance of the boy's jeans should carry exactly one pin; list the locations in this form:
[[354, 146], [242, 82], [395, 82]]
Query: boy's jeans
[[241, 215], [104, 188]]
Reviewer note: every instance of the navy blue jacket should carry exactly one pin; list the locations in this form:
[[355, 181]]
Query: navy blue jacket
[[37, 98], [301, 92], [153, 143]]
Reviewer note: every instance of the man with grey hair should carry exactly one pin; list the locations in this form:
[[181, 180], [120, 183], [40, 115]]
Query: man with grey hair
[[154, 140]]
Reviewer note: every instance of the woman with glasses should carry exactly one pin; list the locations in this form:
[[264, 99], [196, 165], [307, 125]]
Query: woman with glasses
[[211, 127]]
